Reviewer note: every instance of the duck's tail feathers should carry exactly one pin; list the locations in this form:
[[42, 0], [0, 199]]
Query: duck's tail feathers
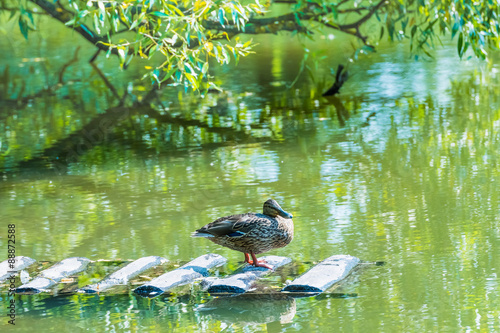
[[201, 234]]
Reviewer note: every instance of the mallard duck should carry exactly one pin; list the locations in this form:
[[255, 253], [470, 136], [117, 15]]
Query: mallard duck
[[251, 233]]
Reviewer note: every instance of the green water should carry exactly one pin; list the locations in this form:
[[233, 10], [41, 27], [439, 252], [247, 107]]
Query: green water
[[402, 168]]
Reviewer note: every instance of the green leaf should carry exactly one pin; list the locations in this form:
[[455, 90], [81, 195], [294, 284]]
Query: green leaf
[[460, 45], [121, 53], [482, 53], [129, 60], [390, 29], [96, 24], [427, 53], [204, 70], [413, 31], [221, 17], [86, 30], [23, 26], [175, 9], [454, 29], [152, 51], [192, 80], [242, 24], [481, 38], [334, 11], [466, 46], [116, 22], [30, 17], [100, 4], [71, 22], [155, 75], [134, 24], [12, 14], [404, 23], [169, 73], [159, 14]]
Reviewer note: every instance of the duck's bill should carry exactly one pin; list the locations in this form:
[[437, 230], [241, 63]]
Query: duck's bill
[[285, 214]]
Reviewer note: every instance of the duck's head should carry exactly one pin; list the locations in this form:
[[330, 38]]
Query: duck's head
[[273, 209]]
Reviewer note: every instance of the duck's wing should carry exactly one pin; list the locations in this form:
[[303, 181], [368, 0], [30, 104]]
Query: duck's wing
[[232, 226]]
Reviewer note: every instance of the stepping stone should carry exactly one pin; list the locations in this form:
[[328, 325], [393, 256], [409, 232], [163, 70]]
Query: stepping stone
[[53, 275], [123, 275], [191, 271], [8, 269], [323, 275], [242, 281]]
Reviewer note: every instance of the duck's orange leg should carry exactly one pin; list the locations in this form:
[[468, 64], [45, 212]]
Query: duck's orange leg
[[257, 263], [247, 259]]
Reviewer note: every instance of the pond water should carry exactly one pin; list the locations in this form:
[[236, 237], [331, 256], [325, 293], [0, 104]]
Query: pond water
[[402, 168]]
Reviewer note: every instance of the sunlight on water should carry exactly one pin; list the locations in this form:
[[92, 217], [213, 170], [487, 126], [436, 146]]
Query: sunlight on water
[[401, 168]]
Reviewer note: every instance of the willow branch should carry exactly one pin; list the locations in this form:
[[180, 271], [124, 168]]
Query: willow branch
[[259, 26], [288, 22], [16, 9], [65, 16], [291, 22]]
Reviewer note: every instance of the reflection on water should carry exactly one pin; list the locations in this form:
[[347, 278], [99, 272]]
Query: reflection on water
[[251, 309], [119, 312], [402, 167]]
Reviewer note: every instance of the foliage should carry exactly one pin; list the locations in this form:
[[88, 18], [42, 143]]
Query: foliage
[[187, 33], [475, 22], [173, 28]]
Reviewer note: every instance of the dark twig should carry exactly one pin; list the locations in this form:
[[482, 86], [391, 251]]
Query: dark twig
[[94, 57], [365, 18], [340, 79], [69, 63]]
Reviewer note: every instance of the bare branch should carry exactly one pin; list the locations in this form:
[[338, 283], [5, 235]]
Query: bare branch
[[365, 18]]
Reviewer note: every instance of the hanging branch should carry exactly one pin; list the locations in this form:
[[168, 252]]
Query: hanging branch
[[64, 16], [286, 22]]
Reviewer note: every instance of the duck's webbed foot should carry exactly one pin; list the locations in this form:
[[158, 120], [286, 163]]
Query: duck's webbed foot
[[261, 264], [255, 262]]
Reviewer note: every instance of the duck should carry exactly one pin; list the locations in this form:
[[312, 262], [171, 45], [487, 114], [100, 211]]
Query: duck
[[251, 233]]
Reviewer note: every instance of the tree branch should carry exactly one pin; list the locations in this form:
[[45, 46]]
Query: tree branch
[[365, 18], [290, 22], [64, 16], [16, 9], [287, 22], [259, 26]]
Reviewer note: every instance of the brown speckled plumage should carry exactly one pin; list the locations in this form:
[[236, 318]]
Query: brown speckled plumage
[[251, 233]]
